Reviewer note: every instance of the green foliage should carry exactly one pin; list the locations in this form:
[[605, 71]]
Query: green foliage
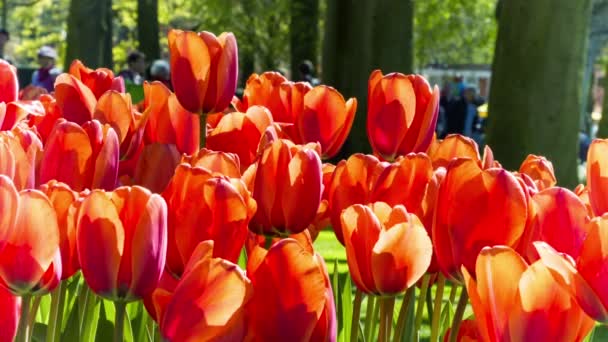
[[455, 31]]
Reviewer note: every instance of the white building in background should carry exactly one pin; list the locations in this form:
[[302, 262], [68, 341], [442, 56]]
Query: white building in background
[[477, 75]]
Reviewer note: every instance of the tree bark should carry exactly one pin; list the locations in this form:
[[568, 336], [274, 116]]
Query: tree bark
[[89, 36], [347, 56], [602, 131], [393, 36], [536, 83], [147, 28], [303, 33]]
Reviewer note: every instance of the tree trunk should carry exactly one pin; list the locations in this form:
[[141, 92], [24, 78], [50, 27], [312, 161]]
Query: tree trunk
[[89, 36], [303, 33], [536, 83], [347, 56], [147, 28], [393, 35]]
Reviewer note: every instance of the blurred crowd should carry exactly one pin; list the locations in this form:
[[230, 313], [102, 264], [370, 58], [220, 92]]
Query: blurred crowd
[[459, 111]]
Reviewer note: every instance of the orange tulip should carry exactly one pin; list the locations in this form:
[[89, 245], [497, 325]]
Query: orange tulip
[[168, 121], [19, 151], [287, 188], [76, 102], [559, 218], [325, 118], [205, 207], [9, 84], [203, 69], [82, 157], [154, 167], [597, 176], [583, 275], [223, 163], [292, 298], [387, 249], [452, 147], [10, 311], [540, 170], [514, 301], [99, 80], [45, 121], [476, 208], [268, 90], [191, 312], [468, 332], [582, 192], [350, 184], [240, 133], [66, 202], [122, 242], [166, 285], [401, 113], [30, 259]]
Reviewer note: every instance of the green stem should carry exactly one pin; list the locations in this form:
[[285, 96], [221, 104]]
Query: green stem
[[267, 242], [409, 296], [382, 332], [369, 317], [32, 318], [202, 125], [119, 321], [437, 308], [462, 304], [90, 302], [63, 294], [453, 291], [83, 295], [390, 307], [429, 304], [23, 329], [420, 305], [375, 318], [354, 329], [56, 299]]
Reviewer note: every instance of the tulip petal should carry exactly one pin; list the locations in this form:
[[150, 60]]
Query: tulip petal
[[597, 176], [9, 85], [98, 220], [75, 100]]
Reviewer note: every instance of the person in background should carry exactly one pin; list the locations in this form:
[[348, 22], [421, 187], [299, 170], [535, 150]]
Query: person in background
[[4, 37], [45, 76], [307, 71], [161, 71], [136, 68]]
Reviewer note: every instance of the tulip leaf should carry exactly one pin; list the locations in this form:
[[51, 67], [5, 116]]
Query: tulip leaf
[[335, 279], [446, 318], [92, 316], [347, 309], [599, 333], [128, 330], [39, 332], [42, 314], [242, 262]]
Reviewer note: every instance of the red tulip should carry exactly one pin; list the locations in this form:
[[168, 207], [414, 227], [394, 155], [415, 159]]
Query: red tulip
[[287, 189], [292, 298], [514, 301], [240, 133], [325, 118], [452, 147], [155, 167], [45, 121], [387, 249], [540, 170], [476, 208], [468, 332], [401, 113], [223, 163], [583, 275], [272, 90], [66, 203], [205, 207], [82, 157], [597, 180], [99, 80], [122, 242], [30, 259], [559, 218], [76, 102], [168, 121], [10, 311], [208, 303], [203, 69], [9, 84], [351, 183]]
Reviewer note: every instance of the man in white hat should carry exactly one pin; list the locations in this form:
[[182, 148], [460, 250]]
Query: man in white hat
[[47, 73]]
